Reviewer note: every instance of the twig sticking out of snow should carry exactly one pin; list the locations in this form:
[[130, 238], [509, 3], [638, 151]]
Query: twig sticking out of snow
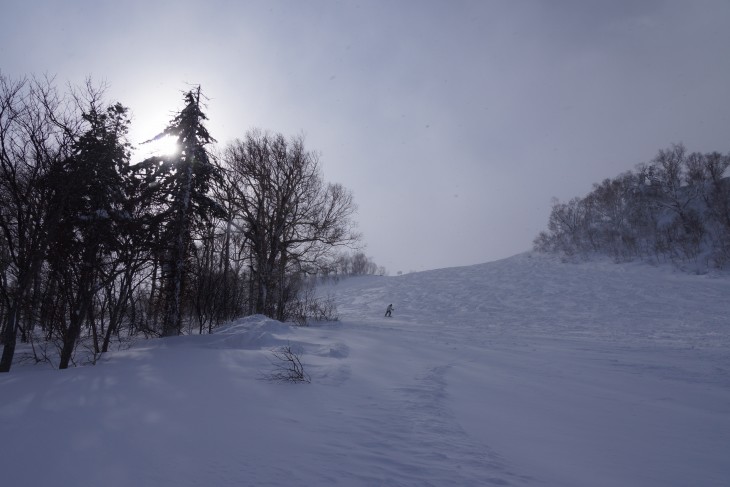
[[288, 366]]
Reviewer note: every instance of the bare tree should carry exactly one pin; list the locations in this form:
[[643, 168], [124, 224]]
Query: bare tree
[[33, 145], [291, 219]]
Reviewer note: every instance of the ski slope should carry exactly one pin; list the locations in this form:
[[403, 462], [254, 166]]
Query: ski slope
[[523, 372]]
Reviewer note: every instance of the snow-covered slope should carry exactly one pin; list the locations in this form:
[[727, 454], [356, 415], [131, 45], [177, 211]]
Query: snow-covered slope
[[536, 295], [518, 372]]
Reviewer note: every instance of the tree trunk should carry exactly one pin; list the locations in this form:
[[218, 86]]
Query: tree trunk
[[70, 337], [9, 338], [79, 313], [172, 323]]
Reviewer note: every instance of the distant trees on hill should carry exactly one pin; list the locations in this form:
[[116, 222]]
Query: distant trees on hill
[[675, 208], [357, 264], [95, 248]]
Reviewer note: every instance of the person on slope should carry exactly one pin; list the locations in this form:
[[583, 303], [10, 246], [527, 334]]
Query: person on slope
[[389, 311]]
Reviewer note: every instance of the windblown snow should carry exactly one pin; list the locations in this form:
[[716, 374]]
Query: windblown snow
[[522, 372]]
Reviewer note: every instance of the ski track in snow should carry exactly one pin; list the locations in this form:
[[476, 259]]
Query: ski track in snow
[[519, 372], [411, 438]]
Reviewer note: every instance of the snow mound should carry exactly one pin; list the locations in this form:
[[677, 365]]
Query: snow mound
[[251, 333]]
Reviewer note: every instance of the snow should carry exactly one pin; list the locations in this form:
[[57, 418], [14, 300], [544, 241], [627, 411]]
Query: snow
[[524, 371]]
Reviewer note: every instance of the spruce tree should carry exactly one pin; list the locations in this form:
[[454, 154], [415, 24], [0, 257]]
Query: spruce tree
[[184, 182], [91, 198]]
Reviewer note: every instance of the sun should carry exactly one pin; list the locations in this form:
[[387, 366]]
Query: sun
[[164, 146]]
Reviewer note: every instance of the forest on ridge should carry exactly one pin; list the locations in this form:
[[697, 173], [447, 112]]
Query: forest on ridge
[[674, 209]]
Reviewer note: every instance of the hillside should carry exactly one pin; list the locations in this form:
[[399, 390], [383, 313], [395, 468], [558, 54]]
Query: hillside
[[519, 372]]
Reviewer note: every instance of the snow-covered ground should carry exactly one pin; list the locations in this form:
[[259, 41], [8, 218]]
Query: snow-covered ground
[[523, 371]]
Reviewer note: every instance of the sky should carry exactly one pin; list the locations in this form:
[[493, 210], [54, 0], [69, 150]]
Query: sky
[[453, 122]]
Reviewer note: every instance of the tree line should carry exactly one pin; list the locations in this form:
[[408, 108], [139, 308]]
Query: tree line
[[352, 264], [96, 247], [675, 208]]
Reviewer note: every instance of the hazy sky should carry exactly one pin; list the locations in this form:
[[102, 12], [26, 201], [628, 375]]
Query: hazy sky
[[453, 122]]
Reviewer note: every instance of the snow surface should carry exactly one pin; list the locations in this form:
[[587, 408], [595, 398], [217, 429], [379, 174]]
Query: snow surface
[[519, 372]]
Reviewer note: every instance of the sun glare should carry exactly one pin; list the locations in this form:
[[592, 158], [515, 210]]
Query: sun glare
[[165, 146]]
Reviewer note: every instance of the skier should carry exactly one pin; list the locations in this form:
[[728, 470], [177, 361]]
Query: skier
[[389, 310]]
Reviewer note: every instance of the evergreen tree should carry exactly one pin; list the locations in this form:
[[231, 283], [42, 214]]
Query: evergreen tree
[[92, 199], [183, 183]]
